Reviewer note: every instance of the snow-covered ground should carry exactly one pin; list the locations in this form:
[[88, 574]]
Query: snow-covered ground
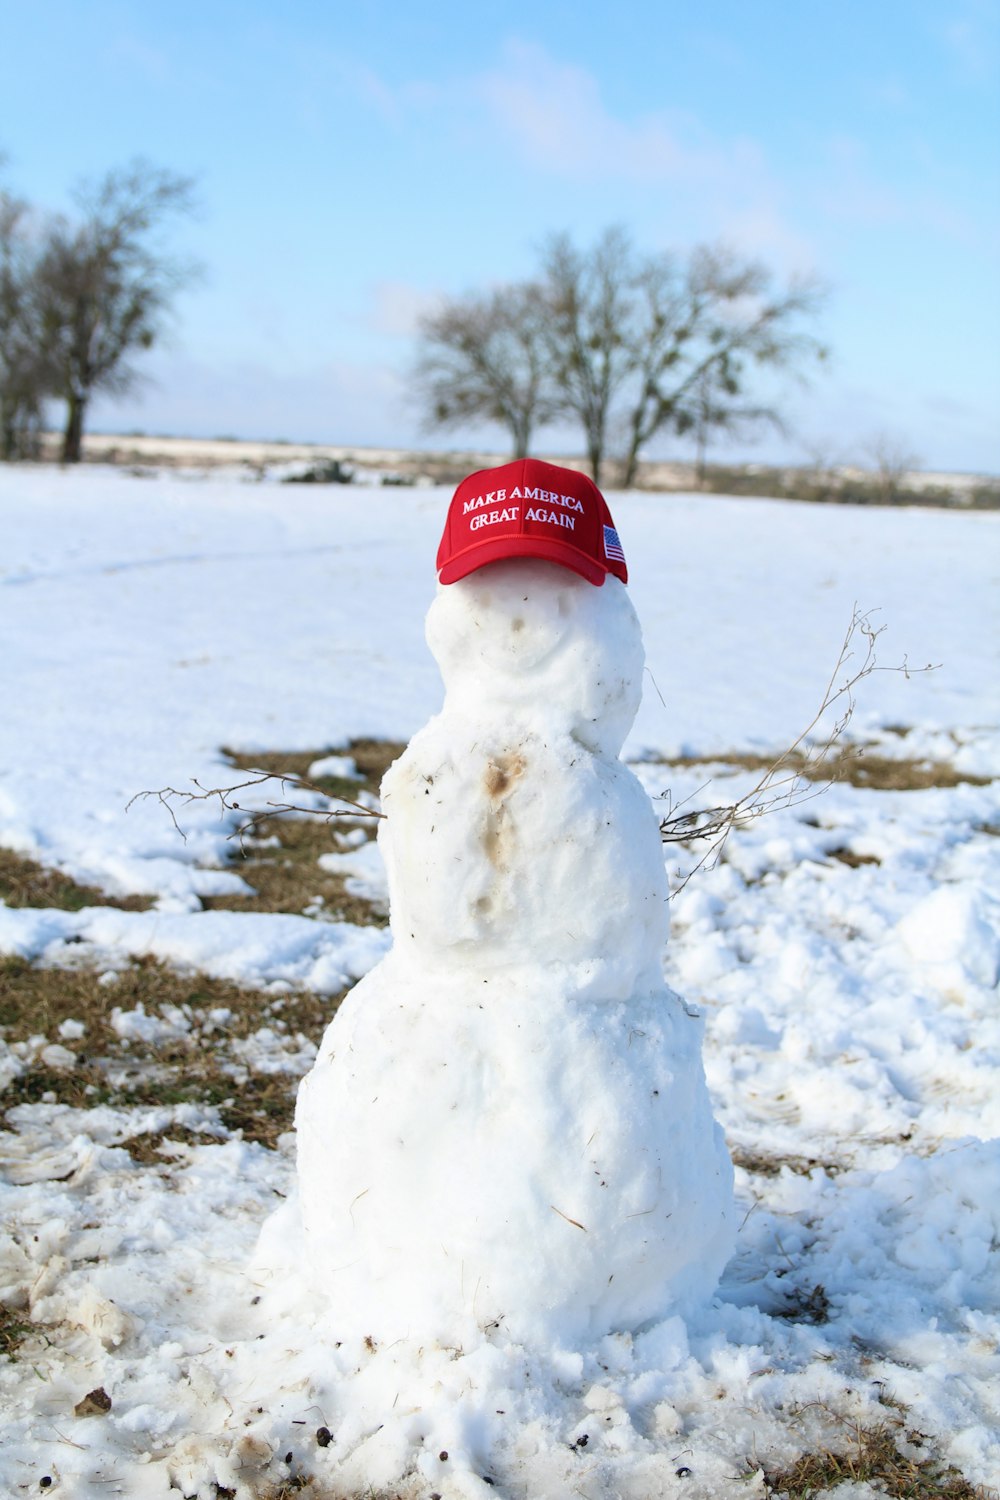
[[845, 953]]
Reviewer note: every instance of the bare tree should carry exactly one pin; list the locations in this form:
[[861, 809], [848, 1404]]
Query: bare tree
[[822, 475], [703, 330], [652, 344], [591, 302], [626, 344], [23, 369], [893, 460], [105, 286], [816, 758], [484, 358], [712, 408]]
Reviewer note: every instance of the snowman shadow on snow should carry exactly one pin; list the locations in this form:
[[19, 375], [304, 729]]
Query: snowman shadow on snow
[[507, 1123]]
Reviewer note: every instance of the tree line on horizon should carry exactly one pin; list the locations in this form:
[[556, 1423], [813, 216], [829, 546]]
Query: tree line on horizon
[[81, 296], [626, 345]]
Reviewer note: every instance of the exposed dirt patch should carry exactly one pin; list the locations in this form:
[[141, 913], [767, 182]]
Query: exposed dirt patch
[[762, 1165], [23, 882], [502, 773], [191, 1059], [262, 1108], [852, 859], [283, 1489]]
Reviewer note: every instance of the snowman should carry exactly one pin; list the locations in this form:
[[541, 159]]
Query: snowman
[[507, 1126]]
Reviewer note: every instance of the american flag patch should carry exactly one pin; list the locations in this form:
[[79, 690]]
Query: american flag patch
[[612, 546]]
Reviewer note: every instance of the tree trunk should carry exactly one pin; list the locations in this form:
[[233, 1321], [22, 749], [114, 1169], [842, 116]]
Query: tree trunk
[[641, 428], [700, 473], [73, 434], [631, 461], [521, 433]]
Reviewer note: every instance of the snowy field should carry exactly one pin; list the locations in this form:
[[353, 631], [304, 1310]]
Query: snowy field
[[845, 954]]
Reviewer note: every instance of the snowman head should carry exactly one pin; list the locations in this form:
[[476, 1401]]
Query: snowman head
[[528, 644]]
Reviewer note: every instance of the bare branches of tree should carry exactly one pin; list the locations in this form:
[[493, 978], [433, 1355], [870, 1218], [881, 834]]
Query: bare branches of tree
[[800, 772], [323, 805], [484, 358], [80, 298], [105, 285], [24, 372], [592, 309], [626, 345], [893, 460], [805, 769], [709, 326]]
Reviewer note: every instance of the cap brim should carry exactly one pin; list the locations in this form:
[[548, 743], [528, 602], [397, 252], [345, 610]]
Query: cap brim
[[506, 548]]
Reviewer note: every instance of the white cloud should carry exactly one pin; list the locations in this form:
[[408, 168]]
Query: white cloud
[[972, 38], [555, 115], [760, 229], [554, 111], [397, 308]]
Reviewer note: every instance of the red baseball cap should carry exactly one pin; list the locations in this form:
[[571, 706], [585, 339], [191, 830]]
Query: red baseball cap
[[530, 509]]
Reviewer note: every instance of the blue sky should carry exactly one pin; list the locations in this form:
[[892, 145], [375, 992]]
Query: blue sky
[[357, 162]]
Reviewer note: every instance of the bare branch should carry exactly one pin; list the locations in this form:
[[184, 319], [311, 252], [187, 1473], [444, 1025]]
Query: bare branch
[[483, 358], [252, 818], [802, 771], [798, 773]]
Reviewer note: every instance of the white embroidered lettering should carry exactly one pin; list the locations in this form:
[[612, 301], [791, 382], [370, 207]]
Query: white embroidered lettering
[[550, 517], [493, 517], [480, 501]]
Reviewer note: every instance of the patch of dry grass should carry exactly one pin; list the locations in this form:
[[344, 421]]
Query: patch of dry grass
[[372, 758], [283, 1489], [281, 863], [153, 1146], [15, 1327], [806, 1307], [873, 1455], [192, 1067], [23, 882], [281, 859], [195, 1065], [35, 998], [854, 764]]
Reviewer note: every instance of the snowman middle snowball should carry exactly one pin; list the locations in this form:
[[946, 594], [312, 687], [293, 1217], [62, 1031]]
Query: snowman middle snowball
[[507, 1124], [514, 835]]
